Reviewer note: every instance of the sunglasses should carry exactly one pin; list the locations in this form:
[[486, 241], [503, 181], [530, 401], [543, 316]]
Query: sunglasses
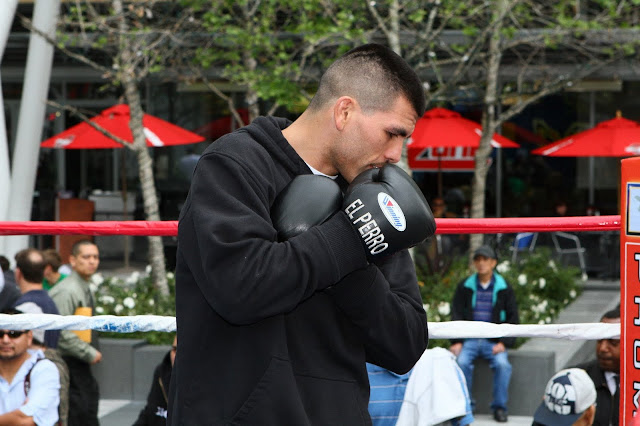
[[13, 334]]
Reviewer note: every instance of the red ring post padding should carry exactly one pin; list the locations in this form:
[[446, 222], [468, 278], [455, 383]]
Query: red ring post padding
[[444, 226]]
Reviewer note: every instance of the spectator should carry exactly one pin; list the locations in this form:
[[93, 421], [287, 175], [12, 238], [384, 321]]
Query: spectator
[[387, 394], [569, 399], [486, 296], [605, 373], [155, 412], [9, 291], [52, 275], [560, 209], [73, 296], [411, 399], [53, 356], [29, 275], [29, 384]]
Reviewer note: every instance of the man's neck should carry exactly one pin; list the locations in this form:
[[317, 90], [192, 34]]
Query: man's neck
[[83, 277], [26, 286], [9, 367], [485, 278]]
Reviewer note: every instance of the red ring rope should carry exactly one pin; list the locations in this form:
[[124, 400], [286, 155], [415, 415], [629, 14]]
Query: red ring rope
[[444, 226]]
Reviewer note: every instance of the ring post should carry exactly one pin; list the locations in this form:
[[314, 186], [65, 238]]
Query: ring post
[[630, 290]]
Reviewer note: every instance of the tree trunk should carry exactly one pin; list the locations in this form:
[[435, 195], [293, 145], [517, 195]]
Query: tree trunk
[[145, 162], [489, 125], [251, 96], [149, 195]]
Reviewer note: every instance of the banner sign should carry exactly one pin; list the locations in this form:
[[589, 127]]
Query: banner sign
[[630, 291], [449, 159]]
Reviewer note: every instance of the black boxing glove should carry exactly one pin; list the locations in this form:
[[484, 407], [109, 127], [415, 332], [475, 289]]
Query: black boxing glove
[[388, 210], [307, 201]]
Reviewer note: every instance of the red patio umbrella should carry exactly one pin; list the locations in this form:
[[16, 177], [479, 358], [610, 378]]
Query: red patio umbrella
[[223, 125], [116, 120], [618, 137], [444, 140]]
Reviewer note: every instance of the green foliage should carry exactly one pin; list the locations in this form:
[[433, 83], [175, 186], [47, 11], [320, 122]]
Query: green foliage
[[542, 287], [268, 46], [135, 295]]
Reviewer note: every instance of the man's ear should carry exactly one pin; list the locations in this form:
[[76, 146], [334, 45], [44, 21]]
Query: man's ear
[[343, 110], [17, 273]]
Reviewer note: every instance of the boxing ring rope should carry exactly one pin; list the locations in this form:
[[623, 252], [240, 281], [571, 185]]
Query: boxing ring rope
[[437, 330], [444, 226]]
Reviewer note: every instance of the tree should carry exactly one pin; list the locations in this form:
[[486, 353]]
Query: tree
[[511, 51], [275, 49], [127, 43]]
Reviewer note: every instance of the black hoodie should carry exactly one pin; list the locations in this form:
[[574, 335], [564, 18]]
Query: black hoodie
[[155, 412], [278, 333]]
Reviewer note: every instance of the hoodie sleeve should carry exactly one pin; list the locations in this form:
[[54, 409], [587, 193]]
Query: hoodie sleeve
[[228, 242], [384, 303]]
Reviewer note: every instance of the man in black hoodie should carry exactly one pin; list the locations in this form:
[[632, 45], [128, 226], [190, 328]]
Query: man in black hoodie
[[278, 333]]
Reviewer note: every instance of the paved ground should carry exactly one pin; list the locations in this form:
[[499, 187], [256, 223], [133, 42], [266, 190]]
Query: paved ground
[[118, 412]]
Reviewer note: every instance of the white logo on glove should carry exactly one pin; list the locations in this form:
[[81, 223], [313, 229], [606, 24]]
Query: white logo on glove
[[392, 211]]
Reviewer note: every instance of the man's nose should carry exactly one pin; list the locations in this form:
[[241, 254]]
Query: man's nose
[[394, 153]]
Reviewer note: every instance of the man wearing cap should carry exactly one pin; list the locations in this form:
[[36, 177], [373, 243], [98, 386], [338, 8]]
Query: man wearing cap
[[569, 399], [486, 296]]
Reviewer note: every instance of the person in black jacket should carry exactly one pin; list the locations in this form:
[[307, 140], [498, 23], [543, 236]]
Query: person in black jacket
[[486, 296], [605, 373], [155, 412], [9, 291], [279, 332]]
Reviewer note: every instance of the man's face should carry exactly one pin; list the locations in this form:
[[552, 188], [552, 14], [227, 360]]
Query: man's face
[[373, 139], [484, 265], [608, 350], [14, 347], [86, 262]]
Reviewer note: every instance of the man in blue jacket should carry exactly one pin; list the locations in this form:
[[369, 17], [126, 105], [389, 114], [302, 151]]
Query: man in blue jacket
[[486, 296]]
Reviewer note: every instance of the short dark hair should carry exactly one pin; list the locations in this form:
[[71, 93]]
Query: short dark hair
[[375, 76], [75, 248], [31, 263], [52, 258], [612, 314], [4, 263]]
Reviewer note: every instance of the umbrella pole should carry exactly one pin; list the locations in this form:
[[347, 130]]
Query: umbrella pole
[[592, 123], [439, 176], [123, 173]]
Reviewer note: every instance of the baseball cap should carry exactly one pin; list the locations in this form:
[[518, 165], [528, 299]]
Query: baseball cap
[[568, 394], [485, 251]]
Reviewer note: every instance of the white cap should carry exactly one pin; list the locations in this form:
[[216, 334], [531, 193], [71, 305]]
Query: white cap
[[568, 395]]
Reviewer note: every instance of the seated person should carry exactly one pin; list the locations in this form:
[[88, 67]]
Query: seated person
[[155, 412], [29, 383], [433, 392], [486, 296], [569, 399]]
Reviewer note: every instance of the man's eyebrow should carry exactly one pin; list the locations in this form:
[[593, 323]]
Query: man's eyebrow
[[398, 131]]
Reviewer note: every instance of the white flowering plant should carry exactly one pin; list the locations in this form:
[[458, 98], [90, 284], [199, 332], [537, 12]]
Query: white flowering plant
[[543, 288], [134, 295]]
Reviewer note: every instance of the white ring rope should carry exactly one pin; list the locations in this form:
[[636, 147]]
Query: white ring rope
[[77, 322], [437, 330]]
